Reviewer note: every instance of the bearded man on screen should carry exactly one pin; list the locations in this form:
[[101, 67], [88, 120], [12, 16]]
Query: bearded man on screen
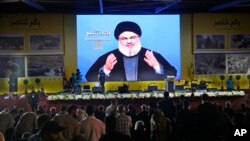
[[130, 62]]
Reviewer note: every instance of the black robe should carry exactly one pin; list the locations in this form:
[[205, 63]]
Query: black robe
[[145, 72]]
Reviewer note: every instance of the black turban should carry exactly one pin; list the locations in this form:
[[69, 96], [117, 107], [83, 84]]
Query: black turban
[[127, 26]]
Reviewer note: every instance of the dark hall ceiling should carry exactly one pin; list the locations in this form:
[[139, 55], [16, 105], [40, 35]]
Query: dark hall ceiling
[[124, 6]]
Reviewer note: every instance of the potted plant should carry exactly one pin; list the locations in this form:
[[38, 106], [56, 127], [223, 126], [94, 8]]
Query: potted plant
[[238, 83], [248, 77], [222, 78], [26, 83], [38, 81]]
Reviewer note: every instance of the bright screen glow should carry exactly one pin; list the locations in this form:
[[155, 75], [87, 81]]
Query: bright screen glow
[[95, 37]]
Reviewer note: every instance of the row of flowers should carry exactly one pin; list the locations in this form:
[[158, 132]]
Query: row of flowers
[[87, 96]]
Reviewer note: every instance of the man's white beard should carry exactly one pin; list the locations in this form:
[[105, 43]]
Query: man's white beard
[[129, 52]]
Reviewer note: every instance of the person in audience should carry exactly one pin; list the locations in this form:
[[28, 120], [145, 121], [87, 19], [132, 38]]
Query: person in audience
[[100, 113], [21, 111], [229, 110], [41, 120], [139, 133], [6, 122], [92, 127], [180, 105], [185, 122], [82, 115], [111, 133], [160, 126], [27, 123], [123, 121], [79, 137], [167, 106], [131, 62], [69, 121], [132, 113], [111, 110], [40, 110], [143, 114], [2, 136], [223, 124], [63, 110], [33, 99], [230, 83], [145, 117], [52, 111], [206, 119], [51, 131], [25, 136]]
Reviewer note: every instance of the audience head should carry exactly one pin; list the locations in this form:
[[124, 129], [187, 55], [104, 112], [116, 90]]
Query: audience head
[[90, 110], [182, 98], [228, 104], [42, 119], [52, 110], [243, 106], [73, 110], [63, 109], [186, 104], [101, 108], [51, 131], [166, 94], [26, 135], [121, 109], [152, 106], [139, 125], [114, 101], [144, 107], [130, 107], [204, 97]]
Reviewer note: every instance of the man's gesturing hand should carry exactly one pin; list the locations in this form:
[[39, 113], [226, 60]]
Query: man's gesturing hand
[[150, 59], [110, 62]]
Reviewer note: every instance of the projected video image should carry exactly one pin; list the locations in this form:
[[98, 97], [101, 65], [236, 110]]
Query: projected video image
[[128, 48]]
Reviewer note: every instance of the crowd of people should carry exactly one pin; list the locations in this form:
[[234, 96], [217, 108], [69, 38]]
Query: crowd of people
[[163, 120]]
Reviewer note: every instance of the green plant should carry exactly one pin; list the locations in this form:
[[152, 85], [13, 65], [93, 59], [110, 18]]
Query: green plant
[[26, 83], [222, 78], [238, 83], [248, 77], [238, 77], [38, 81]]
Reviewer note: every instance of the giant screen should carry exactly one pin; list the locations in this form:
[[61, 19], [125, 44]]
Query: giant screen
[[160, 36]]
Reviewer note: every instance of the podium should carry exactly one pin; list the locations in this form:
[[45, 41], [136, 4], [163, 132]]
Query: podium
[[152, 88], [97, 89], [123, 89], [169, 84]]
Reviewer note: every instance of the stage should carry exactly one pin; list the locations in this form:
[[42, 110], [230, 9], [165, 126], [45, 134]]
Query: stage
[[135, 98], [138, 95]]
